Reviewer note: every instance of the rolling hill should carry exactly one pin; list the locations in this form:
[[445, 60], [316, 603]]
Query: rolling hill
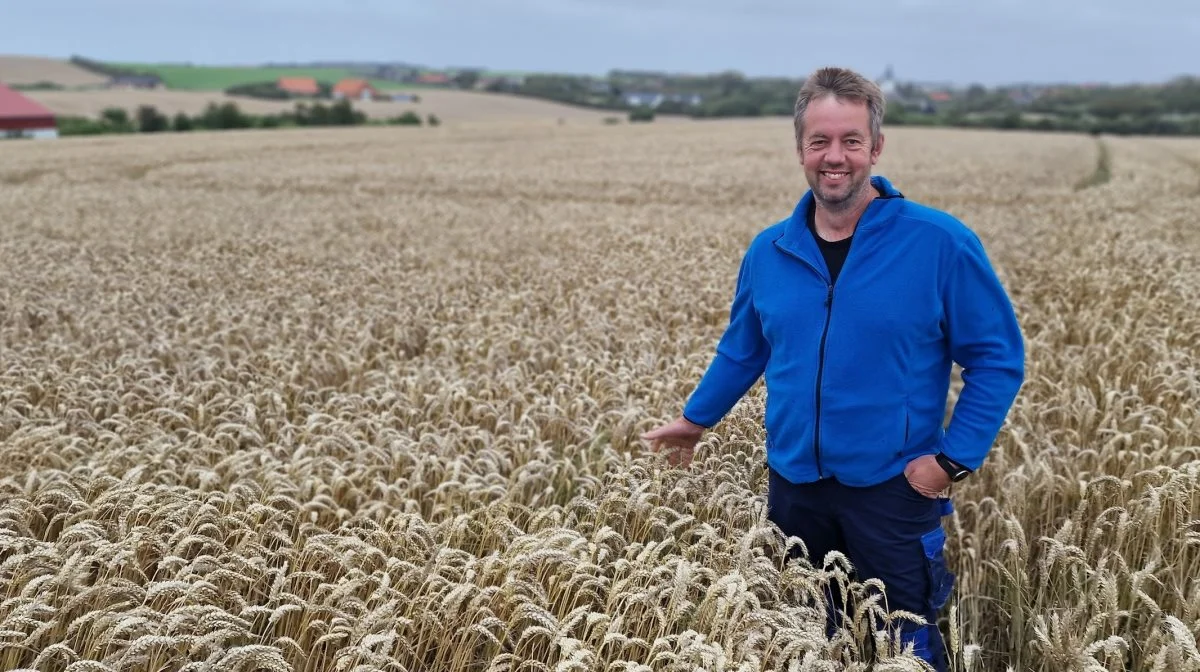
[[86, 97], [448, 105], [18, 70], [184, 77]]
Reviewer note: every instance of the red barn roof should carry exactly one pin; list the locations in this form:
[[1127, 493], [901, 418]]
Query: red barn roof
[[353, 87], [305, 86], [19, 112]]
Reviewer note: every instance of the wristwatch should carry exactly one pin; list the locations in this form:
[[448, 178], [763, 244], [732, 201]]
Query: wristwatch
[[957, 471]]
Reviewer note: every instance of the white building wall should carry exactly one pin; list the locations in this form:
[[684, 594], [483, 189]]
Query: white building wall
[[35, 133]]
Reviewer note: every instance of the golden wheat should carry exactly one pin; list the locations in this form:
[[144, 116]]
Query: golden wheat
[[367, 399]]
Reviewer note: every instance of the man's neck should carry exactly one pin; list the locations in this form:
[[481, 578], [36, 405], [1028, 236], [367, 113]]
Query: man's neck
[[834, 225]]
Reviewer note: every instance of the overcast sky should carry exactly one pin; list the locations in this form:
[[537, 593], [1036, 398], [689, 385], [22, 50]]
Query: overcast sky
[[961, 41]]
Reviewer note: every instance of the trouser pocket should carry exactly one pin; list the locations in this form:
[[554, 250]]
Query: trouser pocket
[[941, 579]]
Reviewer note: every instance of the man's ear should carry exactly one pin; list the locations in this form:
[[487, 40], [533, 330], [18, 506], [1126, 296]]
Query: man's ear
[[877, 150]]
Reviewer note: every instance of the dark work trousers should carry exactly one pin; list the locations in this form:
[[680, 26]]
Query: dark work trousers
[[889, 532]]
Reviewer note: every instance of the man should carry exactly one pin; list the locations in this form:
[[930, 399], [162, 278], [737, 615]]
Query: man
[[854, 308]]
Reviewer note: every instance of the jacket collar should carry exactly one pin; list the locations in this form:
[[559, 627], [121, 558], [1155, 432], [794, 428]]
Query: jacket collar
[[797, 240]]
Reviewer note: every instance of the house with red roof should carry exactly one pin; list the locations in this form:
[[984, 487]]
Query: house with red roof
[[22, 117], [355, 89], [299, 86], [434, 78]]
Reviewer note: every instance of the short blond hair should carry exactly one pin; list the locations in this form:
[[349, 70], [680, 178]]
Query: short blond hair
[[843, 84]]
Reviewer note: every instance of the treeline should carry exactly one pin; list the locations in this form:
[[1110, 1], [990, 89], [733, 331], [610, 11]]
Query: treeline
[[725, 94], [227, 116], [101, 68], [38, 86], [271, 91], [1161, 124], [1172, 108]]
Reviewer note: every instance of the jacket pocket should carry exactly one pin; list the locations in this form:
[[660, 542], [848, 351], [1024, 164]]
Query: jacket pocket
[[941, 579]]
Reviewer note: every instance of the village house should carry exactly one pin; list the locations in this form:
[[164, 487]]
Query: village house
[[643, 98], [21, 117], [135, 82], [434, 78], [655, 98], [355, 89], [299, 86]]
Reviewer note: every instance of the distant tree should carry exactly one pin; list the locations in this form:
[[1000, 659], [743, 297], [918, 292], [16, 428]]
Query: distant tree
[[150, 120], [115, 116], [224, 116], [641, 114], [731, 82], [1124, 103], [673, 107], [266, 90], [182, 122], [409, 118], [38, 86], [83, 126], [318, 115], [734, 106], [895, 115], [342, 113], [466, 79], [1010, 120], [433, 120]]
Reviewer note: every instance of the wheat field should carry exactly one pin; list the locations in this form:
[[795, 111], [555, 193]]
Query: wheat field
[[368, 399]]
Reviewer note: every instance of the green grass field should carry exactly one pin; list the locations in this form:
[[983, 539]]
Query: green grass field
[[217, 78]]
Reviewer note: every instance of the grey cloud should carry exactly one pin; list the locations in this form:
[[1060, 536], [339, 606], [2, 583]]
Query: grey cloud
[[959, 40]]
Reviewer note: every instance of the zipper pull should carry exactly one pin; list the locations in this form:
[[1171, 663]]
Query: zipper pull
[[829, 297]]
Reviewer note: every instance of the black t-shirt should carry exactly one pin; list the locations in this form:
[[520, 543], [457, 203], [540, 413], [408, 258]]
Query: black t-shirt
[[834, 252]]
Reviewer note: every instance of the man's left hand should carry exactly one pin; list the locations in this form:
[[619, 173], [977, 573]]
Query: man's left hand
[[927, 476]]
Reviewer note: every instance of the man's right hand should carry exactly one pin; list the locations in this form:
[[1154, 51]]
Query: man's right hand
[[680, 436]]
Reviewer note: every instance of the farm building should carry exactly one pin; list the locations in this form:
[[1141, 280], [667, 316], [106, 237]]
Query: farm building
[[434, 78], [643, 98], [359, 89], [21, 117], [135, 82], [299, 86]]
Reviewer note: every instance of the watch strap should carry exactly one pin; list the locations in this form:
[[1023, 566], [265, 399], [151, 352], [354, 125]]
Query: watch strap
[[956, 471]]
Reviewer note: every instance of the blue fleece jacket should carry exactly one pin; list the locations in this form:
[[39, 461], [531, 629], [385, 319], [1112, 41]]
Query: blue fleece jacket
[[857, 373]]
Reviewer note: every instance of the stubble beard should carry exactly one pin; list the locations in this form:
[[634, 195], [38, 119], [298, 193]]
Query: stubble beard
[[854, 194]]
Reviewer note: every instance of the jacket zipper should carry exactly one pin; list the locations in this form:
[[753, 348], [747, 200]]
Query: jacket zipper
[[820, 376], [821, 351], [821, 355]]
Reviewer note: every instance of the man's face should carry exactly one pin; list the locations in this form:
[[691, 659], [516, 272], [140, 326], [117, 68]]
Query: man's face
[[836, 151]]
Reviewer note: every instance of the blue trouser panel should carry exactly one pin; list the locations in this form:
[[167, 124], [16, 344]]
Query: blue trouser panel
[[888, 531]]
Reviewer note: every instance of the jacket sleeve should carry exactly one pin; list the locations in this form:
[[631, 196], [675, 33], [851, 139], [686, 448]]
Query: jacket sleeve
[[985, 340], [740, 359]]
